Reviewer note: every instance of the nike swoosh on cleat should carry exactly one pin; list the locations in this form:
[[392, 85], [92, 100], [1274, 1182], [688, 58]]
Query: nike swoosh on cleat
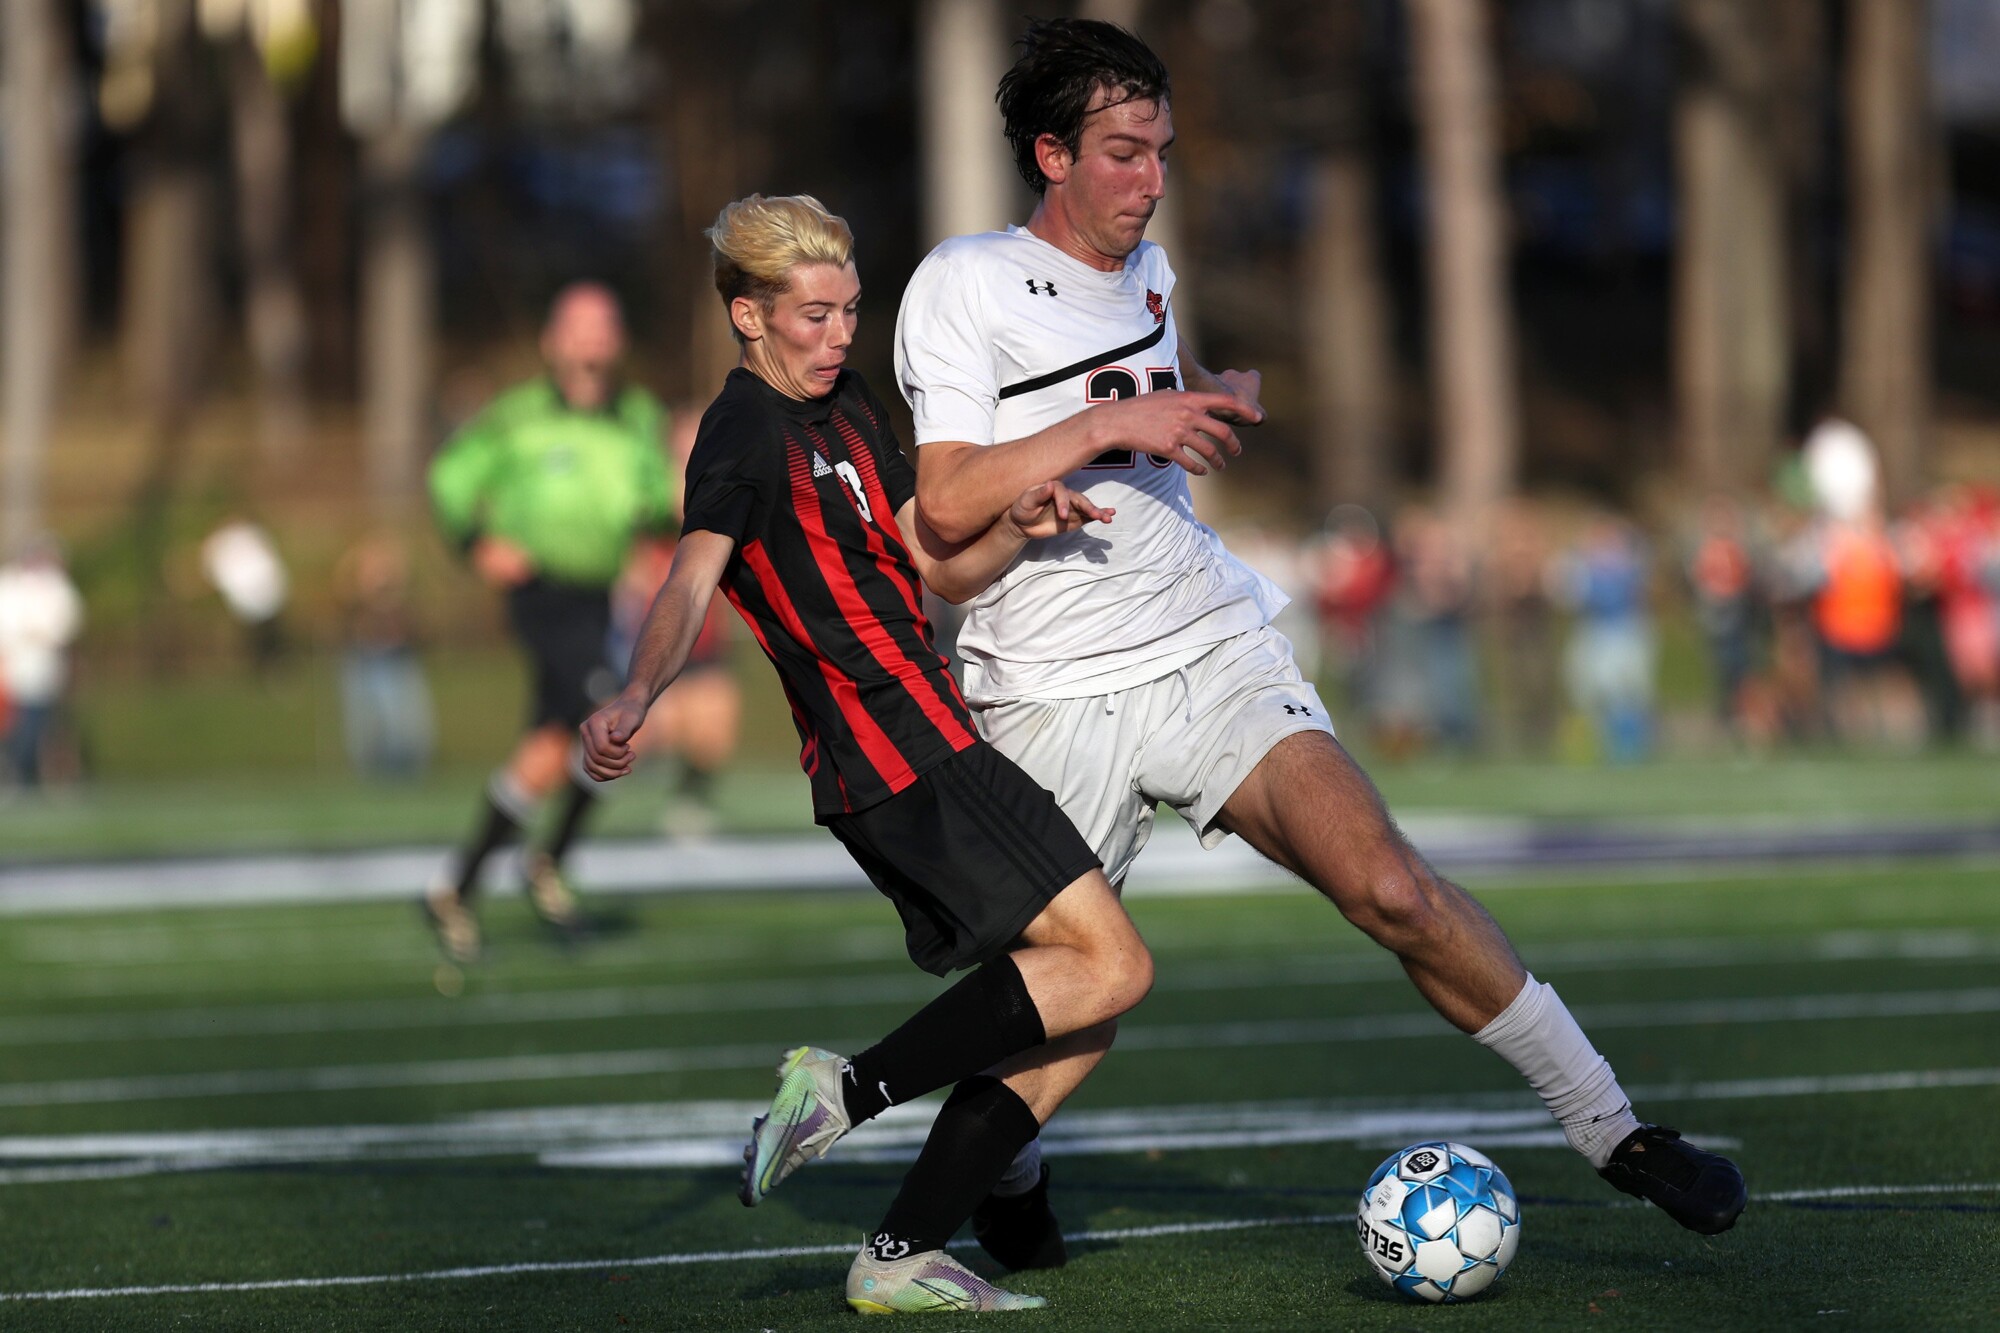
[[957, 1300]]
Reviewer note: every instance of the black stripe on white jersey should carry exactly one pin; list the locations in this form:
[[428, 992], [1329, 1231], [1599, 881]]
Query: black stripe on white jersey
[[1091, 362]]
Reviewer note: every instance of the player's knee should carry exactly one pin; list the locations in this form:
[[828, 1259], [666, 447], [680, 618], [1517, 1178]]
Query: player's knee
[[1129, 977], [1395, 904]]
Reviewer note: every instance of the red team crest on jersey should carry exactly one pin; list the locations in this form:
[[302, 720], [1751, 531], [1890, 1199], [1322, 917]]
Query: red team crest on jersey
[[1158, 305]]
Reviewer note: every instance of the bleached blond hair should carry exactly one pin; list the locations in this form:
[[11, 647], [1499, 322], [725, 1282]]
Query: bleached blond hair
[[757, 242]]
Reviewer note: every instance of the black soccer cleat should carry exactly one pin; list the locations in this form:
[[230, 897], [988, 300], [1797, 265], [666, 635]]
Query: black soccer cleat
[[1020, 1230], [1700, 1190]]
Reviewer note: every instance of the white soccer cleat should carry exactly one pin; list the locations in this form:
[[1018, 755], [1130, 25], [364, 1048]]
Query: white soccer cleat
[[927, 1282]]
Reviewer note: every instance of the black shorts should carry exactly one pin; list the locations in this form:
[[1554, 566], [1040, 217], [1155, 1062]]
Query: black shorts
[[970, 854], [564, 629]]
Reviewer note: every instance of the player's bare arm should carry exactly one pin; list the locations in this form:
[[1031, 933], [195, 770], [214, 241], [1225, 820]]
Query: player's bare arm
[[960, 571], [664, 643], [500, 563], [962, 487], [1246, 386]]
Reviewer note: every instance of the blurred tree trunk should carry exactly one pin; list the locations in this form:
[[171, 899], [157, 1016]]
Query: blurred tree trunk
[[273, 302], [721, 147], [1732, 354], [168, 307], [1471, 338], [1344, 319], [961, 54], [1885, 365], [1346, 328], [37, 274], [323, 231], [398, 312], [406, 66]]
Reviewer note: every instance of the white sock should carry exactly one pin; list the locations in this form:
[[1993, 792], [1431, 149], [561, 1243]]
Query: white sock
[[1024, 1174], [1537, 1036]]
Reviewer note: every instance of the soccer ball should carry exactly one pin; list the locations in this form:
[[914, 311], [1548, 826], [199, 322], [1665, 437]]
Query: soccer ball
[[1438, 1222]]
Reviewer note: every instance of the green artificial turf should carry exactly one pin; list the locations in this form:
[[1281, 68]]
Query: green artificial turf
[[1765, 1010]]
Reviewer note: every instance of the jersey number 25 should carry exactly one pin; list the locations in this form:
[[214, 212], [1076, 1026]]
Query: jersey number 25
[[1108, 384]]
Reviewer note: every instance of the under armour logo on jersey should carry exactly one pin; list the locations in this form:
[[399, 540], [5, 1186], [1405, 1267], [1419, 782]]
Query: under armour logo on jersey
[[1046, 289], [1295, 710], [820, 467]]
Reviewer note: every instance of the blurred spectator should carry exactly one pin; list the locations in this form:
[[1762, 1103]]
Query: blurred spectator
[[1726, 590], [1438, 580], [243, 565], [698, 717], [40, 616], [1610, 663], [1850, 570], [1965, 533], [1354, 577], [1426, 688], [1917, 541], [1530, 708], [385, 702]]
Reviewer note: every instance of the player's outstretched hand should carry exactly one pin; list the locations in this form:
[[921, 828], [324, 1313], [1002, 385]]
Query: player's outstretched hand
[[1051, 509], [1247, 386], [1185, 427], [607, 737]]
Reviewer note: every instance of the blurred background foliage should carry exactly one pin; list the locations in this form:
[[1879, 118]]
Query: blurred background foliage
[[262, 255]]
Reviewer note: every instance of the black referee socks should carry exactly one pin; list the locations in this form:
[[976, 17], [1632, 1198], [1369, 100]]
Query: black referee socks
[[974, 1025], [983, 1124]]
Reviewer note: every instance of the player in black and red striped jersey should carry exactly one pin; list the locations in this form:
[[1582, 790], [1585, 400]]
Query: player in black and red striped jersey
[[801, 508]]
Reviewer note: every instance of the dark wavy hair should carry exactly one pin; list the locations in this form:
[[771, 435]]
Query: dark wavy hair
[[1063, 63]]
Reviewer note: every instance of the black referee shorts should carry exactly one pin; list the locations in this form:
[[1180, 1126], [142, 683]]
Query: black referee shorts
[[563, 628], [969, 854]]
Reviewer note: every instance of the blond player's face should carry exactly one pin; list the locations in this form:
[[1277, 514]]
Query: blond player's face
[[800, 344], [1119, 174]]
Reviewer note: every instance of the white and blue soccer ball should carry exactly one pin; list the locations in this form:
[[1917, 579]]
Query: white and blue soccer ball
[[1439, 1222]]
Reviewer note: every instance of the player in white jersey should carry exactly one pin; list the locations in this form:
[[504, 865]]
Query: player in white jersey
[[1135, 665]]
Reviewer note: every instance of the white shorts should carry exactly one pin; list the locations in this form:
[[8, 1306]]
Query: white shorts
[[1187, 739]]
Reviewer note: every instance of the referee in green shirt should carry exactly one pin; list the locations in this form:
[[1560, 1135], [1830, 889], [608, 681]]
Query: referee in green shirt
[[546, 491]]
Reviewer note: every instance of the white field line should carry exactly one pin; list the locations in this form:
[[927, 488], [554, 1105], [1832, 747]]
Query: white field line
[[904, 986], [711, 1134], [670, 1135], [840, 1247], [1163, 1037], [648, 1261]]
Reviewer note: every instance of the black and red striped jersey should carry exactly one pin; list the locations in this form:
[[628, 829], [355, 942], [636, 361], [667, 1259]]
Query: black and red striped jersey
[[809, 491]]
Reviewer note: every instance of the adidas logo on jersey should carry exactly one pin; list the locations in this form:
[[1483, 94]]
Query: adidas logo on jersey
[[820, 468]]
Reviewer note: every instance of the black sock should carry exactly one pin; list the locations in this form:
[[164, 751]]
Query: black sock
[[979, 1022], [496, 830], [983, 1124], [698, 784], [577, 802]]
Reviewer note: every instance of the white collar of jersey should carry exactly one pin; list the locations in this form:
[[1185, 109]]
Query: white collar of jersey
[[1076, 267]]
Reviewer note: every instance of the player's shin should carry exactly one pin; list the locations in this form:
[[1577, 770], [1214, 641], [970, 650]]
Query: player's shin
[[1537, 1035], [976, 1024], [971, 1144]]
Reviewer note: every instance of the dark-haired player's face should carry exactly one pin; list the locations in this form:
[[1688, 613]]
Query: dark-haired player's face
[[800, 344], [1119, 174]]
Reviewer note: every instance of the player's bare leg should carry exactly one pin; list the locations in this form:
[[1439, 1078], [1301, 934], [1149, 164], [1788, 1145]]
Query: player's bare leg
[[1310, 808]]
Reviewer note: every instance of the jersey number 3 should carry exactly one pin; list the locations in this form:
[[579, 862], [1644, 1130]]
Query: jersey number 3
[[845, 471], [1108, 384]]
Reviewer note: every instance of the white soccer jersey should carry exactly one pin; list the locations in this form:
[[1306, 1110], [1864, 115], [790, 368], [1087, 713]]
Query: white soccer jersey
[[1002, 335]]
